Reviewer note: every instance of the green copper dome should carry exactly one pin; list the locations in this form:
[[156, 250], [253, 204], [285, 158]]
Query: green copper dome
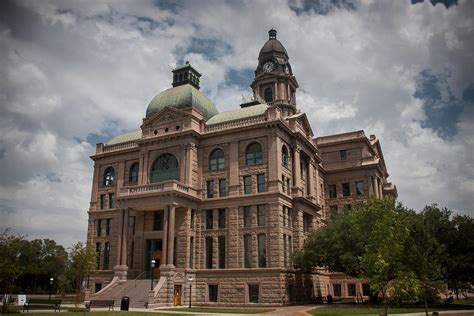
[[180, 97]]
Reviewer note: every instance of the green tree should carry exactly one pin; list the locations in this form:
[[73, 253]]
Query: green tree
[[81, 264], [10, 246]]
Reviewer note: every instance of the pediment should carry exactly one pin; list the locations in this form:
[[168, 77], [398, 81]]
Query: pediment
[[302, 120], [166, 115]]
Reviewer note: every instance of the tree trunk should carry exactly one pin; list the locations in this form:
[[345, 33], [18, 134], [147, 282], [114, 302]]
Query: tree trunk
[[385, 305], [426, 304]]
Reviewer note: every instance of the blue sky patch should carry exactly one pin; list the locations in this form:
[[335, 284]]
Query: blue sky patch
[[212, 49], [441, 107], [241, 78]]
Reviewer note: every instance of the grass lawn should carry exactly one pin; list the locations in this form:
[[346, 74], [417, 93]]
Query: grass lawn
[[342, 310], [463, 301], [104, 313], [218, 310]]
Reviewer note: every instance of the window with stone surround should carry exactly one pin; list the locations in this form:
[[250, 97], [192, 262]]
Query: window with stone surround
[[303, 168], [253, 154], [253, 293], [284, 156], [209, 219], [288, 185], [221, 219], [109, 176], [337, 290], [191, 253], [247, 216], [346, 189], [261, 215], [111, 200], [193, 219], [208, 252], [285, 252], [351, 289], [332, 191], [99, 227], [261, 183], [307, 222], [290, 222], [360, 187], [164, 168], [365, 289], [97, 255], [102, 201], [221, 251], [133, 174], [262, 250], [216, 160], [210, 188], [283, 183], [222, 187], [158, 220], [343, 154], [107, 226], [106, 255], [268, 95], [247, 184], [212, 291], [247, 251]]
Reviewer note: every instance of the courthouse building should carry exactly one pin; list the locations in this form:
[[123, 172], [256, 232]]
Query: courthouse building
[[220, 200]]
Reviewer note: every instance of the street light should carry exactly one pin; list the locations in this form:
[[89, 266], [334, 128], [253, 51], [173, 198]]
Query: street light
[[190, 286], [152, 268], [51, 280]]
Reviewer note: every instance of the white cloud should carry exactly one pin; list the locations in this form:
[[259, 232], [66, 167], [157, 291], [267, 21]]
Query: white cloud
[[74, 68]]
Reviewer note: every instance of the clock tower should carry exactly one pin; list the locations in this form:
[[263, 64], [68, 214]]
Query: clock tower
[[274, 81]]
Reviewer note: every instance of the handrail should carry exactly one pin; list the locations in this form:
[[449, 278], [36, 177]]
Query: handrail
[[135, 284]]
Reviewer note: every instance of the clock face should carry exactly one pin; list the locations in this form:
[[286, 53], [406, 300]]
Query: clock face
[[268, 66]]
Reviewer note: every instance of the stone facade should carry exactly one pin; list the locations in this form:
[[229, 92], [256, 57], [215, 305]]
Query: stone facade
[[220, 201]]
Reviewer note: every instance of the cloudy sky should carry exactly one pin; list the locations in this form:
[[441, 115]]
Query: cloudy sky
[[74, 73]]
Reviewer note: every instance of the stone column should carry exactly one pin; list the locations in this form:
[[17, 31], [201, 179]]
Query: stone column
[[234, 169], [296, 171], [190, 162], [141, 169], [121, 216], [171, 228], [274, 162], [164, 251], [125, 238], [233, 243], [275, 92], [311, 181]]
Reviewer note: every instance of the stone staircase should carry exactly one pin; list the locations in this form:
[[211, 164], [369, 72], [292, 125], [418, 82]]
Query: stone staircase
[[137, 290]]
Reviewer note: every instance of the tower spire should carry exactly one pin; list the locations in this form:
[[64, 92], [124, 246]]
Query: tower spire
[[272, 34]]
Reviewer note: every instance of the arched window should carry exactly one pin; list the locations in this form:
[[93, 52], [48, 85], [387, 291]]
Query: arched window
[[268, 95], [109, 176], [133, 175], [164, 168], [216, 160], [284, 156], [253, 154]]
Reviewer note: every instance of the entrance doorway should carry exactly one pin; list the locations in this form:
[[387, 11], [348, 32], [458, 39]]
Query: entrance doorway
[[177, 295], [153, 248]]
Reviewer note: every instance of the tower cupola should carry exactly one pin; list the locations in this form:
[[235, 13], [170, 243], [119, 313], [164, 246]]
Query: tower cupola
[[184, 74]]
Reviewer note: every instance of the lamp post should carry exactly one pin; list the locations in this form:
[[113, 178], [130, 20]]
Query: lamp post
[[152, 268], [51, 280], [190, 286]]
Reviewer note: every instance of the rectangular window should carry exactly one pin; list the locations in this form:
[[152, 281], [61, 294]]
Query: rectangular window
[[102, 201], [365, 289], [307, 219], [261, 215], [303, 168], [285, 251], [191, 252], [337, 289], [222, 187], [111, 200], [261, 183], [290, 223], [212, 289], [208, 252], [97, 255], [158, 220], [247, 184], [107, 226], [290, 248], [343, 154], [283, 184], [209, 219], [106, 255], [193, 218], [221, 223], [253, 293], [99, 227], [346, 189], [247, 216], [210, 189], [332, 191], [288, 185], [221, 249], [284, 216], [262, 251], [351, 289], [360, 187], [247, 251]]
